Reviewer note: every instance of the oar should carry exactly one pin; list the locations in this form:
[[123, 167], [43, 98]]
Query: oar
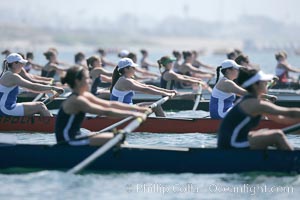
[[118, 138], [105, 129], [50, 99], [291, 129], [38, 97], [199, 93]]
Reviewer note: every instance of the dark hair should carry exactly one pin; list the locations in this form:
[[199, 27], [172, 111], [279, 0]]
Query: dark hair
[[5, 66], [186, 54], [222, 71], [176, 54], [116, 75], [73, 73], [90, 62], [132, 56], [242, 58], [280, 55], [244, 75], [101, 51], [22, 55], [160, 65], [48, 54], [29, 55], [79, 56], [231, 55], [143, 51]]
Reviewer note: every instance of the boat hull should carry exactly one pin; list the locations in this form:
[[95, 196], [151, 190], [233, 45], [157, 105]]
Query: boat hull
[[152, 124], [143, 159]]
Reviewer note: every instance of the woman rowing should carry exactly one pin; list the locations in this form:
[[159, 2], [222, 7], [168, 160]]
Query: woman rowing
[[189, 70], [283, 68], [10, 82], [104, 61], [225, 91], [98, 75], [81, 101], [145, 63], [168, 76], [52, 66], [124, 86], [236, 128]]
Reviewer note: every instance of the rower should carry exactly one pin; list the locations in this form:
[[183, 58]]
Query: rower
[[235, 129], [168, 76], [81, 101], [282, 71], [225, 91], [98, 75], [124, 86], [10, 82]]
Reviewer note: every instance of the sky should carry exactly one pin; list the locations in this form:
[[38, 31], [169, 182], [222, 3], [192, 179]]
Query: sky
[[155, 10]]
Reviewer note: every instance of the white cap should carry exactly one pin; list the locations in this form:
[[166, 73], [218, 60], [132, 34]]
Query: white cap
[[14, 57], [123, 53], [230, 63], [259, 76], [126, 62]]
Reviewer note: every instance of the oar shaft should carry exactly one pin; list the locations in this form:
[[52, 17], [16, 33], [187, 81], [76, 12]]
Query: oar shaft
[[50, 99], [106, 129], [292, 128]]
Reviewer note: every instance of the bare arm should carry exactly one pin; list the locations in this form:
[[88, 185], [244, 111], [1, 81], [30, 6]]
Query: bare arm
[[114, 104], [231, 87], [32, 78], [181, 78], [35, 87], [136, 86], [259, 107], [93, 108], [290, 68]]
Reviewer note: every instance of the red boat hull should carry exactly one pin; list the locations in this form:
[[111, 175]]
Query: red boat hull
[[155, 125]]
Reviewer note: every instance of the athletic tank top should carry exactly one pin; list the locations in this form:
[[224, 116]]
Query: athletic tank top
[[166, 84], [122, 96], [95, 85], [220, 103], [8, 99], [234, 129], [68, 126]]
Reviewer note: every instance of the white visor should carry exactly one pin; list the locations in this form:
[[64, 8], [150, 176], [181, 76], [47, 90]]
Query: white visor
[[260, 76]]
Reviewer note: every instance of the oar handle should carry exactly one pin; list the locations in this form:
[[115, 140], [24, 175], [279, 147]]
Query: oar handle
[[292, 128]]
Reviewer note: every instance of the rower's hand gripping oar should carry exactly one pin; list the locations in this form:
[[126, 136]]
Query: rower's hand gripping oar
[[114, 141]]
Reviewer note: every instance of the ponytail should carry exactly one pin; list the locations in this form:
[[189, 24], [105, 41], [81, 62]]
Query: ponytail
[[159, 66], [218, 73], [115, 77]]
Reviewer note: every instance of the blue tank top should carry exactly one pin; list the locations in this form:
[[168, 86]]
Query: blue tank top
[[68, 126], [122, 96], [220, 103], [166, 84], [8, 98], [234, 129], [95, 85]]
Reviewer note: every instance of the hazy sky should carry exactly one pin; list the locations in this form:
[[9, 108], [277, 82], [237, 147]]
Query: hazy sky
[[208, 10]]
